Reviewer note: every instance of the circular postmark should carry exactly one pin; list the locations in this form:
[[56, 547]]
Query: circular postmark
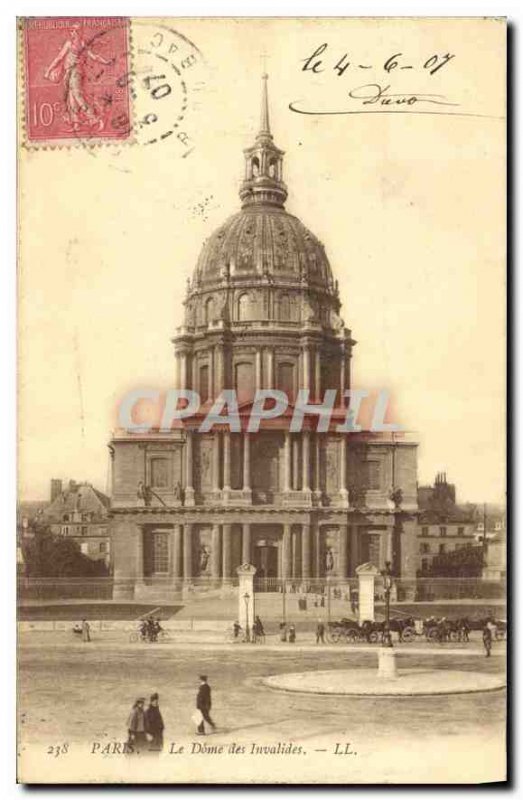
[[138, 94]]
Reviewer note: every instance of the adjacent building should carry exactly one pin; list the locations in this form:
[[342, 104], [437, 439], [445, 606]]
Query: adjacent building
[[262, 310], [80, 512]]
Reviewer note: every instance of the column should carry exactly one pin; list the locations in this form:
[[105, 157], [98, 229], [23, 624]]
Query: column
[[342, 378], [183, 371], [216, 462], [317, 551], [270, 369], [187, 551], [295, 462], [211, 373], [306, 551], [246, 543], [306, 368], [219, 377], [389, 546], [286, 551], [215, 552], [189, 488], [246, 462], [305, 464], [227, 550], [317, 374], [177, 372], [342, 551], [176, 551], [317, 463], [226, 460], [294, 553], [258, 368], [343, 467], [287, 463], [354, 554], [139, 553]]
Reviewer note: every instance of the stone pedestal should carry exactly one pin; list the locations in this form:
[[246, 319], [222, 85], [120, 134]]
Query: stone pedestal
[[387, 663], [246, 600], [367, 574]]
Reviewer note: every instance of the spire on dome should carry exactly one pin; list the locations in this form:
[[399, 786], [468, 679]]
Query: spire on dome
[[265, 128], [263, 182]]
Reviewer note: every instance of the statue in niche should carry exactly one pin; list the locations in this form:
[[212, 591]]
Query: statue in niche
[[397, 497], [204, 556], [329, 560], [178, 491]]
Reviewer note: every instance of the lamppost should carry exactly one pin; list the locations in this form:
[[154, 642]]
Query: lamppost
[[387, 585], [246, 598]]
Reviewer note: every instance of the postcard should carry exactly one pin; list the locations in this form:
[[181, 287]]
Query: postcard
[[261, 521]]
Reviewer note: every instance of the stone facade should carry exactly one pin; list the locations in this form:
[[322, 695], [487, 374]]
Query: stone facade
[[262, 311]]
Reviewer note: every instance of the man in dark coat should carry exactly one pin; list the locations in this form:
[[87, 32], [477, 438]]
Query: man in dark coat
[[154, 723], [203, 704]]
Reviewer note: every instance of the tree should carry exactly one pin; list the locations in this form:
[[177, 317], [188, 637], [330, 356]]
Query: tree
[[467, 562], [50, 556]]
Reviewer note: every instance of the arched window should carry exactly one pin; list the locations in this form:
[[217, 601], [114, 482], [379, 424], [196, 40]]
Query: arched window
[[255, 166], [207, 311], [244, 305], [273, 168]]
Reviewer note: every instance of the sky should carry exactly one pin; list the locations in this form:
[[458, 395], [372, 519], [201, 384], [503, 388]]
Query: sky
[[410, 208]]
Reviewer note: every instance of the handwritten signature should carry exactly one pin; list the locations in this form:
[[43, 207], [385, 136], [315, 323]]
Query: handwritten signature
[[373, 94]]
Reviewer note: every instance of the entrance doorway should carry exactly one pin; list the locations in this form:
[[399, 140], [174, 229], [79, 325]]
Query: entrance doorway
[[266, 560]]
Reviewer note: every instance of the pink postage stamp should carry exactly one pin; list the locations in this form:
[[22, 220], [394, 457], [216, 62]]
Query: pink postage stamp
[[76, 79]]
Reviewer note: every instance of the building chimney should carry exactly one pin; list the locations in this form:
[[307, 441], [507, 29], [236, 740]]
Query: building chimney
[[56, 488]]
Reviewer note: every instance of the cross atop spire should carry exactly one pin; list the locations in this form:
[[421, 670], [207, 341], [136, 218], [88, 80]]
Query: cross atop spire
[[265, 128]]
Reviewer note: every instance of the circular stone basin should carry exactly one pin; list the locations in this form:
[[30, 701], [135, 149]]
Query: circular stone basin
[[365, 682]]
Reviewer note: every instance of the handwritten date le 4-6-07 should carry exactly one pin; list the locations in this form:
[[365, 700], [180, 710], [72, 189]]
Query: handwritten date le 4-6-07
[[322, 59]]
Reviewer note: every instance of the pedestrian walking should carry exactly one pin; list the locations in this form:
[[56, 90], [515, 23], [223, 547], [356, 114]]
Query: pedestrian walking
[[487, 640], [283, 632], [136, 724], [86, 631], [292, 634], [203, 704], [154, 723], [320, 633]]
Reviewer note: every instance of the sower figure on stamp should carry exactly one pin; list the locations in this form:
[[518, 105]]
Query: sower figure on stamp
[[203, 704], [154, 723], [69, 67]]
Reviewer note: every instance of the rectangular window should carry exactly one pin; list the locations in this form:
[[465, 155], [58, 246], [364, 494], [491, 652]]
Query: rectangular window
[[65, 530], [424, 547], [160, 552], [461, 531], [102, 548], [159, 473], [442, 548], [442, 530], [84, 530], [425, 530]]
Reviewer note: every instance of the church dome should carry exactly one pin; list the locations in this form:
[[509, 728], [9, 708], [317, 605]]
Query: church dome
[[263, 240]]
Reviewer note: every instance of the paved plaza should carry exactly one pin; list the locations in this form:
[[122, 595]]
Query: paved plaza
[[81, 694]]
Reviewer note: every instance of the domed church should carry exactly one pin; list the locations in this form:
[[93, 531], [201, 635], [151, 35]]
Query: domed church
[[262, 311]]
